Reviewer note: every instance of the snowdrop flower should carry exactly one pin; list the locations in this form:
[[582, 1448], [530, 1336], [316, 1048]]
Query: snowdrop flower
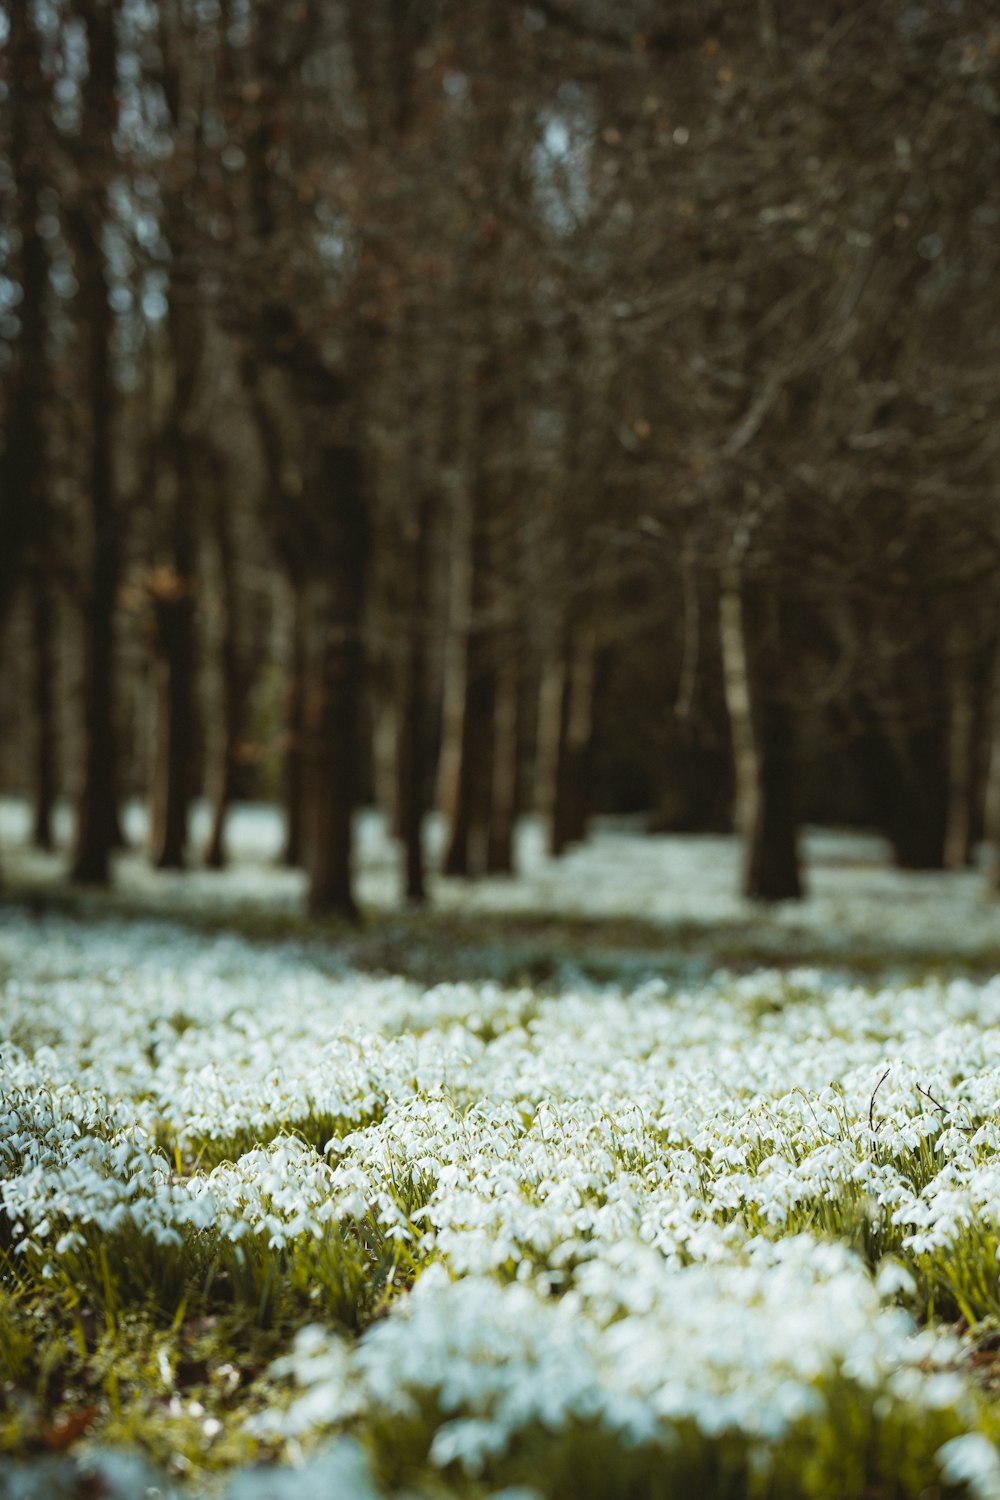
[[974, 1461]]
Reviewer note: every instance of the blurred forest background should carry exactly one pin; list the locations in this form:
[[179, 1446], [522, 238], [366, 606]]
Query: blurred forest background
[[572, 406]]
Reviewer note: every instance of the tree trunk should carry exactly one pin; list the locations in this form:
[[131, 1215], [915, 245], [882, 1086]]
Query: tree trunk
[[174, 696], [174, 591], [958, 841], [563, 769], [772, 860], [232, 684], [468, 832], [467, 729], [387, 735], [506, 754], [736, 684], [920, 796], [334, 710], [579, 737], [482, 618], [23, 466], [45, 718], [294, 851], [694, 793], [24, 460], [565, 734], [760, 725], [413, 758], [97, 814]]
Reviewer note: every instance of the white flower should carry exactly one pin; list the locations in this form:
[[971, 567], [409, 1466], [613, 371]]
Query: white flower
[[974, 1461]]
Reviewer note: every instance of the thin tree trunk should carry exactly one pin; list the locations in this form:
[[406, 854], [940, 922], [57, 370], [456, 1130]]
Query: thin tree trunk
[[559, 833], [958, 841], [506, 750], [336, 699], [413, 756], [43, 620], [23, 465], [736, 685], [548, 733], [760, 725], [565, 733], [387, 731], [471, 753], [232, 677], [24, 459], [281, 512], [98, 829], [173, 775], [174, 696], [455, 772], [579, 736], [294, 851], [469, 826], [97, 818]]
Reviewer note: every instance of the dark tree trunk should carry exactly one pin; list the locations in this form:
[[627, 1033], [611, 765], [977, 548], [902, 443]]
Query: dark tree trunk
[[97, 814], [920, 825], [506, 753], [173, 686], [452, 792], [552, 708], [294, 851], [97, 817], [695, 791], [562, 770], [772, 871], [280, 514], [413, 758], [959, 841], [22, 477], [580, 734], [736, 682], [467, 750], [173, 589], [23, 463], [233, 677], [565, 734], [761, 728], [483, 722], [465, 853], [905, 776], [43, 621], [334, 709]]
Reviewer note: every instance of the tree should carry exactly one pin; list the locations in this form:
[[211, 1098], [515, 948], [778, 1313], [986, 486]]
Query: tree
[[23, 492], [87, 212]]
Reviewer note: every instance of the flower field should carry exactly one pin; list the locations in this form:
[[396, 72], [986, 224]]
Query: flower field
[[273, 1228]]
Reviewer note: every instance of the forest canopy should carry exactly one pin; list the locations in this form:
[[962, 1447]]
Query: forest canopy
[[572, 406]]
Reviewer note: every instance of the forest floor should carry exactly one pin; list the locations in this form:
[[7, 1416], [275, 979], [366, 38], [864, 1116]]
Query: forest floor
[[593, 1182], [624, 906]]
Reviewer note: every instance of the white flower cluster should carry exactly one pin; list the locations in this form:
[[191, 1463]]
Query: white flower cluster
[[743, 1347], [746, 1099], [608, 1189], [105, 1184], [280, 1191]]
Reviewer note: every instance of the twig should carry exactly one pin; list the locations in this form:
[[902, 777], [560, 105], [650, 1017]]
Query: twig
[[928, 1095], [871, 1104]]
